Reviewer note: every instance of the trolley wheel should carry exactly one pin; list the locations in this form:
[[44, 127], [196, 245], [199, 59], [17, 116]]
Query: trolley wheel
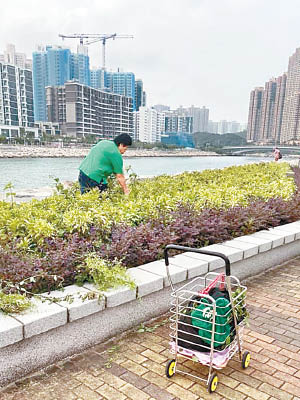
[[246, 359], [170, 368], [213, 383]]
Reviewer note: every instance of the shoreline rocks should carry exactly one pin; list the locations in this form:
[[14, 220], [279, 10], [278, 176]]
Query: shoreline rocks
[[19, 151]]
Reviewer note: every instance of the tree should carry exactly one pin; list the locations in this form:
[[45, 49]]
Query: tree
[[201, 139]]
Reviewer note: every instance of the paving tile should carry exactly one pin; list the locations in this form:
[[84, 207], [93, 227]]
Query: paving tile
[[134, 393], [109, 393], [158, 393], [292, 389], [135, 380], [274, 382], [182, 393], [86, 393], [154, 356], [228, 393], [253, 393], [249, 380], [157, 379], [273, 391], [134, 367]]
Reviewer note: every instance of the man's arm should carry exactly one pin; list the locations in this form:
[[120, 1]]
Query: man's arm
[[122, 181]]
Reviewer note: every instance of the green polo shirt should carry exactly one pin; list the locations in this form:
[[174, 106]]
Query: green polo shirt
[[103, 160]]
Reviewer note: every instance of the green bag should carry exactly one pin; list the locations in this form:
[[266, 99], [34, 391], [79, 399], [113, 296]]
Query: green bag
[[202, 317]]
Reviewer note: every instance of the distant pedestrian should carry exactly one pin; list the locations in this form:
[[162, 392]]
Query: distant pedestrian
[[103, 160], [277, 154]]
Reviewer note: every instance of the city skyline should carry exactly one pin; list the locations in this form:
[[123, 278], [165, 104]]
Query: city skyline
[[196, 52], [55, 65]]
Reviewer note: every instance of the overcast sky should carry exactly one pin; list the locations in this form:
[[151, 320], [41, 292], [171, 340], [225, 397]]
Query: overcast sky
[[204, 52]]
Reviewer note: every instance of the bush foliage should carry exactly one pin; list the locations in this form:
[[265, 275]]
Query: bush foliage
[[57, 235]]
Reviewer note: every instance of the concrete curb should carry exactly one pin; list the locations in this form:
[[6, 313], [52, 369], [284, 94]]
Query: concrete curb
[[49, 333]]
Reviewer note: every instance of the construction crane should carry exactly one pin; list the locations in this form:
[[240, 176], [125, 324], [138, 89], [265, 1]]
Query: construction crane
[[96, 37]]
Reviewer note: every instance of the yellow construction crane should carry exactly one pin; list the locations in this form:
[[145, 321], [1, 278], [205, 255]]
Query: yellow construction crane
[[96, 37]]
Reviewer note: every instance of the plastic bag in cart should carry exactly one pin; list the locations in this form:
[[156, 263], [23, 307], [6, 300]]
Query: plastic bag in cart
[[202, 318]]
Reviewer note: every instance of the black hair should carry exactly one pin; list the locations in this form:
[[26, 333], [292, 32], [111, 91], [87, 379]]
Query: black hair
[[124, 139]]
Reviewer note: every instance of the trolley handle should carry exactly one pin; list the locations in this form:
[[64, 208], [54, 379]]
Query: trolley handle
[[207, 252]]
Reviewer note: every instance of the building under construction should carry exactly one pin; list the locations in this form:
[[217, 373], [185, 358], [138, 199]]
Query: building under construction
[[81, 110]]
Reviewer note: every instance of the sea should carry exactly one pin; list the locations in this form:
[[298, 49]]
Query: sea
[[34, 173]]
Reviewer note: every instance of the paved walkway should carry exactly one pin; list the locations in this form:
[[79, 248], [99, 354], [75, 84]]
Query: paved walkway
[[132, 366]]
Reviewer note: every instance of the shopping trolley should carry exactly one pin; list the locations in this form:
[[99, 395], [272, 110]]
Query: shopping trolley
[[208, 315]]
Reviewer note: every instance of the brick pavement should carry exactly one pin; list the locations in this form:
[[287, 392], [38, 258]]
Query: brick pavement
[[132, 366]]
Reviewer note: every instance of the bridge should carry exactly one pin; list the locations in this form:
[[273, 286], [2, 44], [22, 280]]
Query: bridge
[[240, 150]]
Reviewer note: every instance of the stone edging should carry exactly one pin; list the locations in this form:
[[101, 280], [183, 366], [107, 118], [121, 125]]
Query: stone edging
[[54, 331]]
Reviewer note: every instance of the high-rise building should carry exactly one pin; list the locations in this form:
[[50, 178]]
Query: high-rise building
[[11, 57], [212, 127], [290, 130], [82, 110], [16, 98], [234, 127], [140, 95], [178, 121], [222, 127], [254, 115], [40, 81], [274, 113], [182, 120], [58, 65], [278, 108], [122, 83], [200, 118], [53, 66], [80, 66], [98, 78], [148, 125], [266, 111], [161, 107]]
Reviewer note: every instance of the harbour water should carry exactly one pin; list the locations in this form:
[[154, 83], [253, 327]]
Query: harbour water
[[31, 173]]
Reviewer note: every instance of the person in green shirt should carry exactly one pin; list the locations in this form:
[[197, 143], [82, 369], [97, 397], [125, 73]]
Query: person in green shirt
[[103, 160]]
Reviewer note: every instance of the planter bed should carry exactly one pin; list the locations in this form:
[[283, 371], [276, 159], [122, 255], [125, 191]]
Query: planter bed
[[51, 332]]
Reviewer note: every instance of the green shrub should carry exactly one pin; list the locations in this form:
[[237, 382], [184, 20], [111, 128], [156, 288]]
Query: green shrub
[[29, 224], [105, 274], [14, 303]]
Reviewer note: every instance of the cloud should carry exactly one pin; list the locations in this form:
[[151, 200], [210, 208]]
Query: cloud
[[201, 52]]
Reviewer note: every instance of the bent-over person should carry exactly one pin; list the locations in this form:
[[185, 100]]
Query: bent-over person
[[103, 160]]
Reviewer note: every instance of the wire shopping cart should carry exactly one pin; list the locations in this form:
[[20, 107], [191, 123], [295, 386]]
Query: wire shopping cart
[[208, 316]]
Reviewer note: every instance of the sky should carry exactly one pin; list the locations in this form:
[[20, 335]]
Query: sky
[[208, 53]]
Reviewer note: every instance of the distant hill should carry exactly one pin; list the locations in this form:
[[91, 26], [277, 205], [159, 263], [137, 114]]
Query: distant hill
[[242, 134], [205, 139]]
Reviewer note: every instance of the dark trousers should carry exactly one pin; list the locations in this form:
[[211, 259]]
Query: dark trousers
[[87, 183]]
